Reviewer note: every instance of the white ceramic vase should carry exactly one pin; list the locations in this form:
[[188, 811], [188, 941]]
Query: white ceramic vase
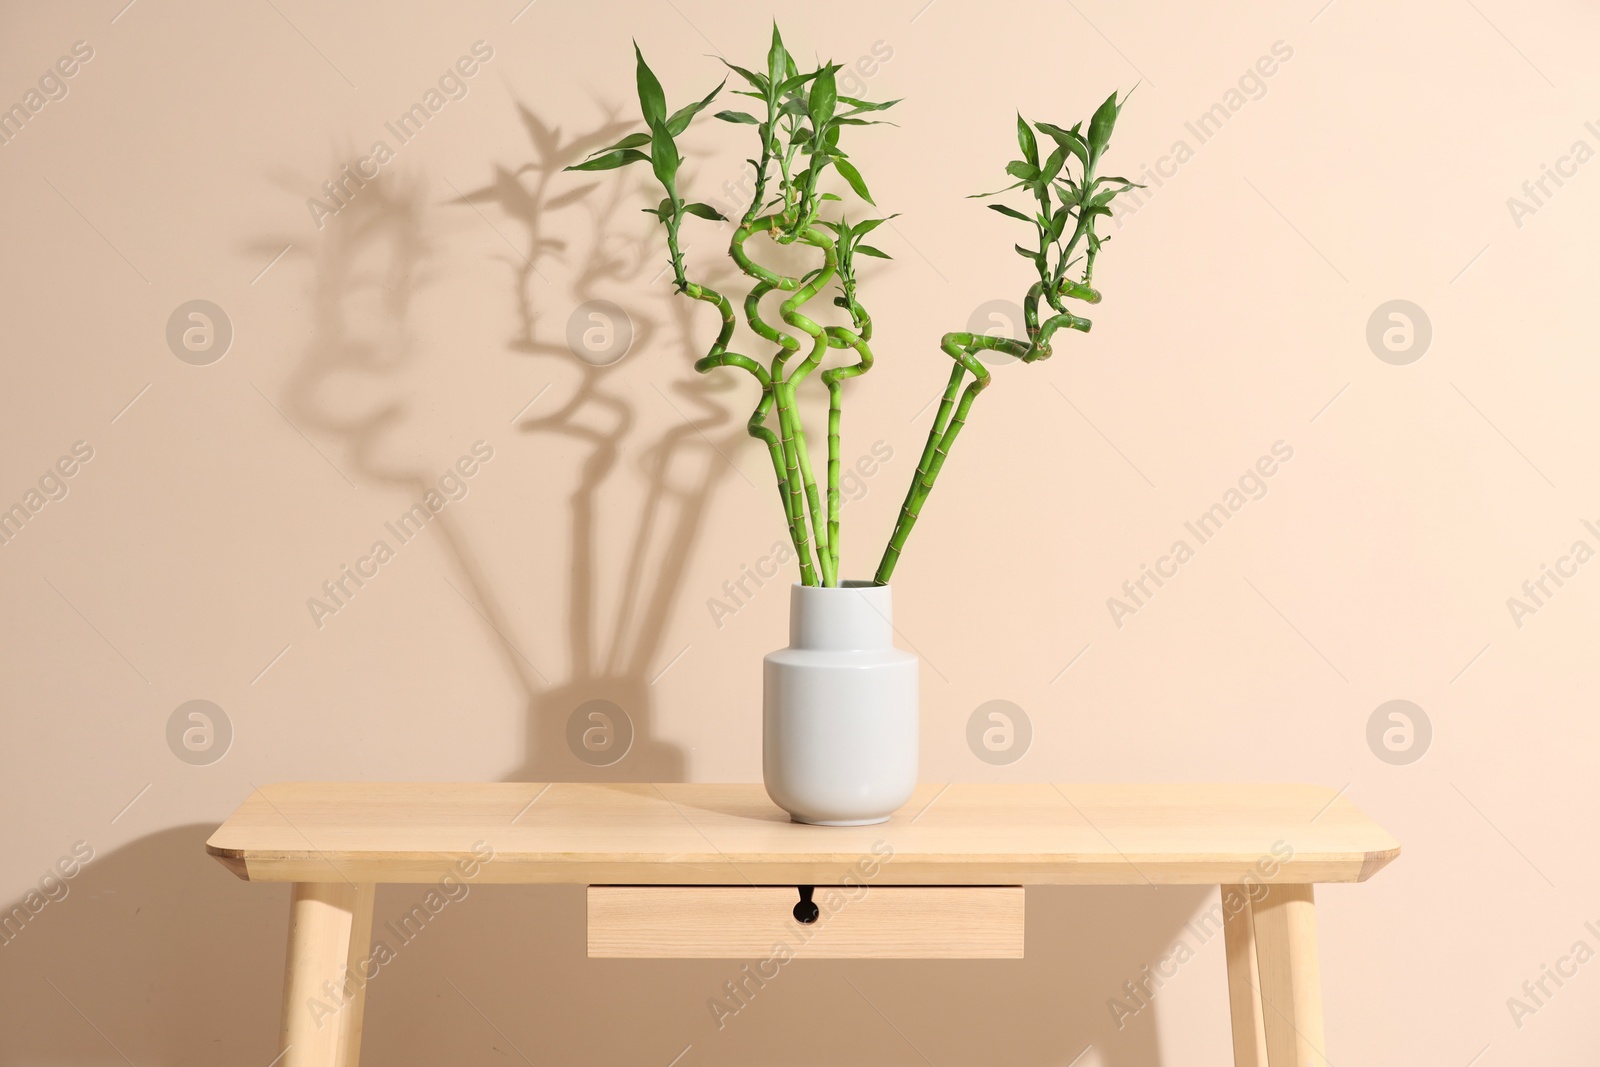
[[839, 709]]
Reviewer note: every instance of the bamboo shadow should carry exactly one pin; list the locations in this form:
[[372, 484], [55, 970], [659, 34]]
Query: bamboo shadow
[[618, 649], [374, 260], [593, 717]]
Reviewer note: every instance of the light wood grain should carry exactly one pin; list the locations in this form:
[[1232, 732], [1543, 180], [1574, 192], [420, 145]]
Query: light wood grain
[[756, 923], [330, 931], [977, 834], [1291, 988], [1244, 979]]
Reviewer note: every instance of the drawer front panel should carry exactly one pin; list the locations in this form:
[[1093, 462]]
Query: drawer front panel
[[853, 922]]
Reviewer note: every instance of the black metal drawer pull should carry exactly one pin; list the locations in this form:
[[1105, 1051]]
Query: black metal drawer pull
[[806, 911]]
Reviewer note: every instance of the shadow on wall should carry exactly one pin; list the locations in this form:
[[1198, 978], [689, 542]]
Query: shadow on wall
[[616, 646], [152, 955], [158, 956], [597, 722]]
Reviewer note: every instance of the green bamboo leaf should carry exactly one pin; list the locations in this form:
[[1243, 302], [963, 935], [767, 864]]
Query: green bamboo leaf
[[794, 84], [681, 117], [1079, 149], [824, 96], [1027, 142], [1105, 117], [777, 59], [867, 105], [1071, 140], [754, 79], [652, 101], [1053, 165], [868, 250], [612, 160], [1019, 169], [872, 224], [853, 176], [831, 196], [737, 116], [663, 156], [997, 192], [1056, 132], [633, 140], [1058, 225], [1009, 212], [1026, 253], [705, 211]]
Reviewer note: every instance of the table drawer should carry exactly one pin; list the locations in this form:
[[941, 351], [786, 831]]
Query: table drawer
[[853, 922]]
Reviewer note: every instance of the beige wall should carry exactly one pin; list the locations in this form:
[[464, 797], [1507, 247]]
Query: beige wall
[[370, 352]]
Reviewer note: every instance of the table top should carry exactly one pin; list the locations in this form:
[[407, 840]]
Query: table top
[[718, 834]]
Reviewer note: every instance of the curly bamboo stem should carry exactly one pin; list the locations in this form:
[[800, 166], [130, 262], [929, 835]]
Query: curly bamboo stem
[[792, 315], [796, 483], [840, 337]]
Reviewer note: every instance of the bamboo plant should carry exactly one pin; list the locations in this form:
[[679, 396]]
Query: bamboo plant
[[799, 118]]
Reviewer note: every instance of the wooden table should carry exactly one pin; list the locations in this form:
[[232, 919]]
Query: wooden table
[[685, 870]]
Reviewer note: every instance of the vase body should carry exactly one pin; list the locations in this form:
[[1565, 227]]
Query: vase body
[[839, 729]]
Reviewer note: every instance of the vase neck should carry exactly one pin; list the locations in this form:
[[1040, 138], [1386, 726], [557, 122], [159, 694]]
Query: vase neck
[[852, 616]]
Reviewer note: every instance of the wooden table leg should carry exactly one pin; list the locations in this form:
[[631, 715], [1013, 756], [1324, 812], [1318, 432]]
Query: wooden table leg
[[1277, 995], [324, 984], [1244, 978]]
